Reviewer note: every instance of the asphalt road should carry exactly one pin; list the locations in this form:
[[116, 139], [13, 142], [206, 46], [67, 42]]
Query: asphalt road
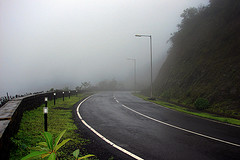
[[150, 131]]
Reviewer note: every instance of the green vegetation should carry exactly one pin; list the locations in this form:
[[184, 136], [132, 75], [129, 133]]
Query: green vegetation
[[48, 148], [203, 60], [59, 119], [76, 154], [191, 111], [201, 104]]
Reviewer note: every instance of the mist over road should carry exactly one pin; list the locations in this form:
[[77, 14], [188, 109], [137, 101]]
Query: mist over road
[[154, 132]]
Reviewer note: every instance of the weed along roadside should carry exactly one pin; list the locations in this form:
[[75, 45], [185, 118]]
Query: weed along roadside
[[192, 112], [31, 130], [49, 148]]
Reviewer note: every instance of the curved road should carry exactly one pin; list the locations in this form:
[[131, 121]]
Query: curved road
[[150, 131]]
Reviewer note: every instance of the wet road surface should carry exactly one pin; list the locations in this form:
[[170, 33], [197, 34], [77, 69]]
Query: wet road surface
[[154, 132]]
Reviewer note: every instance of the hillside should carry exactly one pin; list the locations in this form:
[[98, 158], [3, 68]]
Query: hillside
[[204, 59]]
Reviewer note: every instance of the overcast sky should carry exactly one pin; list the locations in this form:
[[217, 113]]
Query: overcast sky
[[58, 43]]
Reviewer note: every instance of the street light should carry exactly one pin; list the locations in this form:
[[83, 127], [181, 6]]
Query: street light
[[150, 36], [135, 81]]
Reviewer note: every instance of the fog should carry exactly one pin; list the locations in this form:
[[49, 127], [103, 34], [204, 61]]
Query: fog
[[57, 43]]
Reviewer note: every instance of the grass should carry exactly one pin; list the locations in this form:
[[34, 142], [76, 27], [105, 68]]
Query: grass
[[192, 112], [59, 119]]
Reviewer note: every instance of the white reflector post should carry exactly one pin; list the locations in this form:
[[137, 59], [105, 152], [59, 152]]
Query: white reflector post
[[45, 110]]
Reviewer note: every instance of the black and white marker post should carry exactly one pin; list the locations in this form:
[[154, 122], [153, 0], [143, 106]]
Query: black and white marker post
[[54, 98], [45, 111], [76, 92], [7, 96], [63, 96], [69, 93]]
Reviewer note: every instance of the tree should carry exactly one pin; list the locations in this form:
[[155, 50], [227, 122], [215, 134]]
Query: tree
[[86, 85], [78, 88], [66, 88], [187, 15], [108, 85], [51, 90]]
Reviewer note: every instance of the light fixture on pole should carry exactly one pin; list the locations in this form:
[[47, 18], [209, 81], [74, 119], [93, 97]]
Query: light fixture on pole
[[135, 80], [63, 96], [149, 36]]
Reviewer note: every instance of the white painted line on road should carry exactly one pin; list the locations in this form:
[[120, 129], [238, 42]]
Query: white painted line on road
[[115, 99], [215, 121], [102, 137], [176, 127]]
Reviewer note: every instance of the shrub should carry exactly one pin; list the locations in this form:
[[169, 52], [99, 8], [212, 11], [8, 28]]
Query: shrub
[[201, 104], [48, 148], [166, 95], [76, 153]]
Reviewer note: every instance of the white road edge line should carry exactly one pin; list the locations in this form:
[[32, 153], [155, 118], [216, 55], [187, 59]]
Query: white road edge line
[[102, 137], [176, 127], [212, 120]]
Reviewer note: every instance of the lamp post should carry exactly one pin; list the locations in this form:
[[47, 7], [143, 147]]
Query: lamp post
[[135, 80], [45, 111], [150, 36], [63, 96], [54, 98]]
